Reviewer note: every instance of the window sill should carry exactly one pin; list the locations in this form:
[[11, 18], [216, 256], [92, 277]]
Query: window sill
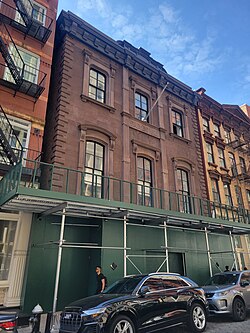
[[85, 98], [224, 169], [180, 138], [212, 164]]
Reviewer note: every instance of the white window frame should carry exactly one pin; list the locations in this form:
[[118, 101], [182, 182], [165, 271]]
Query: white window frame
[[7, 73]]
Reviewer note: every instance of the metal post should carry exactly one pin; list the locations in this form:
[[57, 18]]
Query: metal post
[[59, 259], [208, 253], [166, 244], [125, 245], [233, 250]]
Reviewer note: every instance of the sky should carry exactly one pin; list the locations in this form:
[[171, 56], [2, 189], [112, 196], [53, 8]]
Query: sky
[[203, 43]]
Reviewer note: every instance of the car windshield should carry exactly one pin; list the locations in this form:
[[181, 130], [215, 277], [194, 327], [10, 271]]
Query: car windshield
[[124, 286], [222, 279]]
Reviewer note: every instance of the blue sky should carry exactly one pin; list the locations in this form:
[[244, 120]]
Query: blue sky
[[200, 42]]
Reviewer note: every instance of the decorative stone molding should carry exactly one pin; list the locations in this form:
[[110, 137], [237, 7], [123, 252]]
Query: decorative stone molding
[[226, 178], [208, 137], [134, 147], [214, 174], [86, 56], [85, 99], [220, 143]]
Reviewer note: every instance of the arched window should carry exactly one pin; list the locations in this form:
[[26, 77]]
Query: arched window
[[94, 170], [144, 179], [183, 188], [97, 86]]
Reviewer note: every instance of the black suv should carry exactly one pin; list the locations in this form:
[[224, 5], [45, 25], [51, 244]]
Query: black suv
[[139, 303]]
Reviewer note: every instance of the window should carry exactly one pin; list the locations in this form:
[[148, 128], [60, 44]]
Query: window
[[232, 164], [248, 198], [222, 161], [154, 284], [210, 155], [21, 131], [35, 10], [144, 177], [183, 188], [238, 196], [177, 123], [141, 107], [7, 237], [26, 62], [97, 86], [227, 137], [217, 130], [243, 165], [205, 124], [39, 13], [94, 169], [228, 195], [215, 191], [172, 281]]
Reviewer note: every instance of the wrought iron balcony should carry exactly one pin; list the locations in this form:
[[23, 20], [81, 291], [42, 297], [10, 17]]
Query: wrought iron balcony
[[14, 72], [27, 19], [8, 154], [76, 184]]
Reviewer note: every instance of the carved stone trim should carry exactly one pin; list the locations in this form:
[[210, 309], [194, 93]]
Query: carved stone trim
[[85, 99]]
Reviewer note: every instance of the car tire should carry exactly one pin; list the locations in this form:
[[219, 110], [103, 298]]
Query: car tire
[[197, 320], [122, 324], [239, 310]]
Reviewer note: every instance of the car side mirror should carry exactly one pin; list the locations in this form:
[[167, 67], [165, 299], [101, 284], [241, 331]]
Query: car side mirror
[[244, 284], [144, 290]]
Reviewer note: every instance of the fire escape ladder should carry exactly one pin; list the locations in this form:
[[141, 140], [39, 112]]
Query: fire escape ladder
[[9, 57], [7, 134], [23, 11]]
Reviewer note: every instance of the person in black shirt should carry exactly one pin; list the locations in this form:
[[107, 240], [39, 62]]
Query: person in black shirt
[[100, 280]]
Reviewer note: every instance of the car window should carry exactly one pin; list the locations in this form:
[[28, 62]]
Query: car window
[[245, 277], [223, 279], [154, 283], [123, 286], [171, 281]]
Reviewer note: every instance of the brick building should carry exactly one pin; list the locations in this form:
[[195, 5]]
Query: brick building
[[122, 181], [225, 132], [27, 30]]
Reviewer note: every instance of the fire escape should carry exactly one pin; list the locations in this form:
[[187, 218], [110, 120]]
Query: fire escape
[[11, 149], [14, 72], [30, 21]]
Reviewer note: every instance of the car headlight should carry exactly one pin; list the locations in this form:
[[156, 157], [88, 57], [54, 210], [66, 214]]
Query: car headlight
[[222, 293], [94, 312]]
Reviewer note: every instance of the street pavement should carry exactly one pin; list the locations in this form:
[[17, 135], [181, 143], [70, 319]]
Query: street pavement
[[217, 324]]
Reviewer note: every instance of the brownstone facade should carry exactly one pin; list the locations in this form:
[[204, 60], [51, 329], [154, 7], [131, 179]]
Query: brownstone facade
[[76, 117], [225, 132]]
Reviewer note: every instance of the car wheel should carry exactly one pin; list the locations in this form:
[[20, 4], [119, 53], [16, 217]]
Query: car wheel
[[122, 324], [239, 310], [197, 320]]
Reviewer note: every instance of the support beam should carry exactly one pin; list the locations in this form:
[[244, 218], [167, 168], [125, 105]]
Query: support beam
[[208, 253], [125, 245], [59, 260], [166, 245], [55, 209], [233, 250]]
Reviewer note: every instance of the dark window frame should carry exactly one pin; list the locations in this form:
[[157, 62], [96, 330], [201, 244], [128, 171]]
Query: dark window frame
[[185, 202], [228, 194], [217, 132], [210, 154], [141, 112], [216, 191], [143, 185], [205, 124], [97, 88], [222, 160], [177, 127], [96, 174]]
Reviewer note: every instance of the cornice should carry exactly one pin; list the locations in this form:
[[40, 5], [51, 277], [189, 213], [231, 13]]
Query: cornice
[[136, 60]]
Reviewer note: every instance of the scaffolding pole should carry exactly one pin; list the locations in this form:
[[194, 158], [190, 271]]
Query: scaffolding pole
[[166, 245], [208, 253], [125, 245], [59, 260], [233, 250]]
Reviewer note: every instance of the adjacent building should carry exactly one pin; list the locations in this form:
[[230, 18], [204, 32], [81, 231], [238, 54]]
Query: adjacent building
[[122, 182], [225, 133], [27, 30]]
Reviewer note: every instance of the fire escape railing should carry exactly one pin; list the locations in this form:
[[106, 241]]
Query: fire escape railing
[[14, 72], [29, 21], [8, 153]]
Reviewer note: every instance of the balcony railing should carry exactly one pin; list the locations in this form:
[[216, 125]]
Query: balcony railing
[[25, 18], [14, 72], [55, 178]]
